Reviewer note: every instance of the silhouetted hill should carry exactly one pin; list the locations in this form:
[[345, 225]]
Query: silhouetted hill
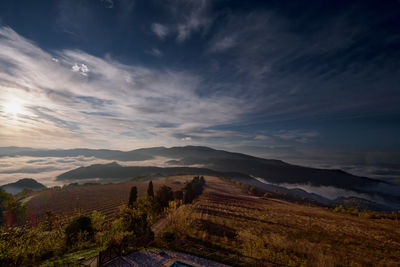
[[274, 171], [115, 171], [26, 183]]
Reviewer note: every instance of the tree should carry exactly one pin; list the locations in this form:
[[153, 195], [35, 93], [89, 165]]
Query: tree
[[202, 181], [98, 220], [193, 189], [4, 199], [134, 220], [15, 214], [178, 195], [79, 227], [150, 191], [164, 195], [132, 196]]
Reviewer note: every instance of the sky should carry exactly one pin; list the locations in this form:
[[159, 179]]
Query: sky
[[311, 82]]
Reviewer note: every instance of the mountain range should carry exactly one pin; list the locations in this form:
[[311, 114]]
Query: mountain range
[[248, 169]]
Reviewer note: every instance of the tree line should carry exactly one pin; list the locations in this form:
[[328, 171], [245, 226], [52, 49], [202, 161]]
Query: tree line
[[53, 237]]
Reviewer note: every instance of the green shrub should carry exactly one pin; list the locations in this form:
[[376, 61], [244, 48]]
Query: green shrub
[[168, 235], [79, 229]]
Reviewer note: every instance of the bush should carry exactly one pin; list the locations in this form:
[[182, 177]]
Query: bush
[[98, 220], [79, 229], [134, 221], [168, 235], [178, 195], [164, 195]]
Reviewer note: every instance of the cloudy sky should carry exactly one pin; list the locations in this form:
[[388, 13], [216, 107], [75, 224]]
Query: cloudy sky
[[306, 81]]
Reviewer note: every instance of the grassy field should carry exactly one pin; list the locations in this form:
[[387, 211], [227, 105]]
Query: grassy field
[[105, 198], [228, 224]]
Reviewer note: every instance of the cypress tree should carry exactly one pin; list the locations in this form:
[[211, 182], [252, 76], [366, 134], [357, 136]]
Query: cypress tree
[[132, 196], [150, 191]]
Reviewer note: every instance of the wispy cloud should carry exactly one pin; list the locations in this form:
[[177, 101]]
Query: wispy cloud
[[108, 3], [188, 16], [194, 16], [156, 52], [223, 43], [297, 135], [106, 99], [160, 30]]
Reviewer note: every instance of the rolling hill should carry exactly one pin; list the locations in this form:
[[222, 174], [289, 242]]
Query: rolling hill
[[218, 162], [26, 183]]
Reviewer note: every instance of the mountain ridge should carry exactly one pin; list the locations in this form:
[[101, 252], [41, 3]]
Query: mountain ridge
[[21, 184]]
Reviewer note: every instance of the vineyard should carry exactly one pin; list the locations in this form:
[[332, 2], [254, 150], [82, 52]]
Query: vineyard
[[228, 224], [105, 198]]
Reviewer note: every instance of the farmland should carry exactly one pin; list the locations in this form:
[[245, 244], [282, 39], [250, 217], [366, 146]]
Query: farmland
[[105, 198], [230, 225]]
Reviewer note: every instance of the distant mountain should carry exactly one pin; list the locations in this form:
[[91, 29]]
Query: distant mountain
[[113, 172], [98, 153], [116, 172], [26, 183], [273, 171]]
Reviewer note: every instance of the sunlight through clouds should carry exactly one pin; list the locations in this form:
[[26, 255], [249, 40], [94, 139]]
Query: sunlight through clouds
[[108, 99]]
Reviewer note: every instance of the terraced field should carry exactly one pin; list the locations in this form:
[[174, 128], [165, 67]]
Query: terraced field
[[105, 198], [229, 225]]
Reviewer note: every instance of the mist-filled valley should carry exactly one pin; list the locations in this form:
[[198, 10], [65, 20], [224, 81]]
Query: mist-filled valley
[[199, 133]]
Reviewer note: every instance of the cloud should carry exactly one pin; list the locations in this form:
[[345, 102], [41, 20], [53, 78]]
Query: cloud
[[82, 69], [156, 52], [186, 139], [194, 16], [108, 3], [297, 135], [46, 169], [75, 18], [286, 64], [187, 17], [262, 137], [224, 43], [92, 110], [160, 30]]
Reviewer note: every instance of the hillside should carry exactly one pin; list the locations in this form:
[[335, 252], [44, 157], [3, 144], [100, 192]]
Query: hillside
[[274, 171], [228, 225], [219, 162], [115, 172], [89, 197], [27, 183]]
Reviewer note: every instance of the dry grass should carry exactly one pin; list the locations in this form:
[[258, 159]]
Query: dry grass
[[228, 223]]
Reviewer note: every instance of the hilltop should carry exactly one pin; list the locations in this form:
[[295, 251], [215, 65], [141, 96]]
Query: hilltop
[[20, 185]]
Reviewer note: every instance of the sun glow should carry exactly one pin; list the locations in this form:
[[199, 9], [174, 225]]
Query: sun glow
[[13, 108]]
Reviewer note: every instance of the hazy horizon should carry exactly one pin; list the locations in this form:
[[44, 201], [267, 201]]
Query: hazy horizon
[[314, 85]]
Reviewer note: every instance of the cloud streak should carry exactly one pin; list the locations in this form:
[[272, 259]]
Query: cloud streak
[[105, 98]]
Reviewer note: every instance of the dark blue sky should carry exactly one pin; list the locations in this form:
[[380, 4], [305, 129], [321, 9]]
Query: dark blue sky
[[305, 81]]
